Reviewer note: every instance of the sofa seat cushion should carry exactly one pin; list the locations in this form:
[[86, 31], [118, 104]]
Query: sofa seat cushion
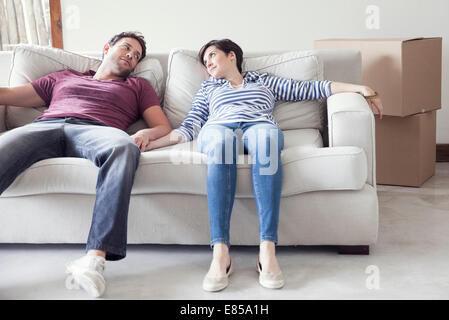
[[182, 169]]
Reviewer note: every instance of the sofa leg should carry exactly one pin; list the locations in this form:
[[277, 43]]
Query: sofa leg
[[353, 250]]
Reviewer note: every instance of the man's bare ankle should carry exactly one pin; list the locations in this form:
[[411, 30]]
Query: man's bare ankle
[[98, 253]]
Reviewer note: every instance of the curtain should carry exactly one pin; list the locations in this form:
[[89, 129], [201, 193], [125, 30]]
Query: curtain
[[24, 21]]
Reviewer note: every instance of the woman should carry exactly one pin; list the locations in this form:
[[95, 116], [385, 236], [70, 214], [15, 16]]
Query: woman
[[230, 103]]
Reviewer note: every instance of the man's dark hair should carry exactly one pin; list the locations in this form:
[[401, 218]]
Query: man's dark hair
[[131, 34], [226, 46]]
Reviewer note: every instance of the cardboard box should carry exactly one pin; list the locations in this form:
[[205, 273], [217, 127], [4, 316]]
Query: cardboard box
[[406, 149], [405, 72]]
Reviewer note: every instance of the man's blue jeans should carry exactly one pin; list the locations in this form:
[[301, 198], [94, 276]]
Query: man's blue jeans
[[110, 149], [263, 141]]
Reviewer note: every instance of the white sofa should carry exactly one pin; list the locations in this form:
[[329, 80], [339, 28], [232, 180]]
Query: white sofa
[[329, 189]]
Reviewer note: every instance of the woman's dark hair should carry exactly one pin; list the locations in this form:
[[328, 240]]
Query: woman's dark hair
[[226, 46], [131, 34]]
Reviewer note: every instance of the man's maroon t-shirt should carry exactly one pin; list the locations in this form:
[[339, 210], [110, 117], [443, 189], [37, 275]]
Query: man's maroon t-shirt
[[116, 103]]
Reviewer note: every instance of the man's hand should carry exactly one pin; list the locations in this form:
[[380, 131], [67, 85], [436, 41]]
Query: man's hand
[[142, 139], [158, 126], [171, 138]]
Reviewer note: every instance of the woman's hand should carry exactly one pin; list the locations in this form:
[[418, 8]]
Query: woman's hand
[[373, 100], [142, 139], [371, 96]]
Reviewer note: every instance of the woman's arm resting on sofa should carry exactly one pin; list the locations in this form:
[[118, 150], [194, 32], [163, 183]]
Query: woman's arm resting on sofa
[[374, 102], [21, 96]]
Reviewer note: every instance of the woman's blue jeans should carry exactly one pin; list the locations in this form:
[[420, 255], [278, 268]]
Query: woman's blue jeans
[[263, 141]]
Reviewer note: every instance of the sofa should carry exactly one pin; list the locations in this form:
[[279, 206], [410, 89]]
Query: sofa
[[329, 187]]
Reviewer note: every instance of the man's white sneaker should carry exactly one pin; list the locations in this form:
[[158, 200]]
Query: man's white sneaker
[[87, 273]]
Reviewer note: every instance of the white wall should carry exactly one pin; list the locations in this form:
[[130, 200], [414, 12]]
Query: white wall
[[256, 25]]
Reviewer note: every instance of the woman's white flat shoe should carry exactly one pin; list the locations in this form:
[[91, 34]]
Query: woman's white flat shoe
[[217, 283], [270, 280]]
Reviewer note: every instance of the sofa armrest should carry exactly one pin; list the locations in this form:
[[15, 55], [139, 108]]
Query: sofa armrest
[[2, 118], [351, 123]]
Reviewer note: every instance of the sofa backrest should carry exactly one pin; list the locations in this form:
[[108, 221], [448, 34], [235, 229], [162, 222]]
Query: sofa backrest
[[31, 62], [344, 65]]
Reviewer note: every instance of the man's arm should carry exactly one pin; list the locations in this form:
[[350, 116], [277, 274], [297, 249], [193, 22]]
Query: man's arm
[[158, 126], [21, 96]]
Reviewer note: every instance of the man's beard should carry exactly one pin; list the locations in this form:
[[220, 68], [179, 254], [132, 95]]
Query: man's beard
[[122, 73]]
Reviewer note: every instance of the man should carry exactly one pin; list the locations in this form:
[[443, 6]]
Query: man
[[86, 118]]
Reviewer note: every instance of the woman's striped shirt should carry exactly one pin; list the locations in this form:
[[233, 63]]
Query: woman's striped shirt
[[217, 102]]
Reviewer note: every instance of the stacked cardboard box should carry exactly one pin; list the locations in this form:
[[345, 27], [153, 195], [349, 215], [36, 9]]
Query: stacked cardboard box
[[407, 75]]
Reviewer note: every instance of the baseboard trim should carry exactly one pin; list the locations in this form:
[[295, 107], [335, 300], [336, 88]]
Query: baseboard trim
[[442, 152]]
